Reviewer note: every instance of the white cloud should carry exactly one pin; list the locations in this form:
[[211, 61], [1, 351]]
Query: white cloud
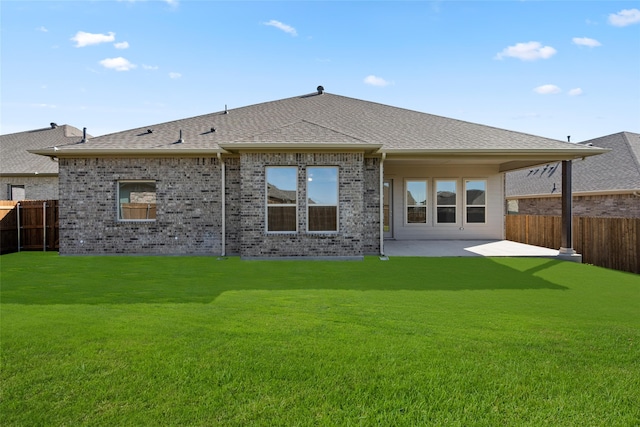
[[625, 17], [118, 64], [376, 81], [530, 51], [150, 67], [575, 92], [547, 89], [44, 105], [585, 41], [284, 27], [174, 75], [83, 39], [42, 29], [121, 45]]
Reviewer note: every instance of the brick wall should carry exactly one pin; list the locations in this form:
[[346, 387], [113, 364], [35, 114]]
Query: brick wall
[[372, 205], [35, 188], [610, 206], [188, 206], [350, 240]]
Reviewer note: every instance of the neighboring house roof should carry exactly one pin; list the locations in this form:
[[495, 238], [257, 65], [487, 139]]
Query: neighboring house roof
[[323, 121], [15, 160], [615, 171]]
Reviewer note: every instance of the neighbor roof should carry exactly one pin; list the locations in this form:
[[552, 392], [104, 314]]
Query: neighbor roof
[[322, 121], [16, 160], [615, 171]]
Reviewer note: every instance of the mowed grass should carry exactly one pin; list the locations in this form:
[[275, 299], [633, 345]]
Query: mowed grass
[[104, 341]]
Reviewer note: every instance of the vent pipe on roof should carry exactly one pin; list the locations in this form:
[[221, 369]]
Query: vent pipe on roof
[[568, 138], [180, 141], [53, 125], [225, 109], [84, 135], [320, 90]]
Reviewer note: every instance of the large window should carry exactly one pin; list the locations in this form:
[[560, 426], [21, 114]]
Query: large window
[[282, 199], [446, 201], [136, 200], [476, 201], [322, 197], [416, 202]]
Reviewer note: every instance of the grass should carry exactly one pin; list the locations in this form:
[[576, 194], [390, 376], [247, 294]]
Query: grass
[[410, 341]]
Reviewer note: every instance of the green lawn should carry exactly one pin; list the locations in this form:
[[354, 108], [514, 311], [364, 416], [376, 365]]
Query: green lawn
[[106, 341]]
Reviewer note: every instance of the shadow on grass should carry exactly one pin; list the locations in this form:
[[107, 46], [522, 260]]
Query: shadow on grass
[[39, 278]]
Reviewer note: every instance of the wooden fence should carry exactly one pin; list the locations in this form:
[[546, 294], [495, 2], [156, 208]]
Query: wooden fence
[[605, 242], [29, 225]]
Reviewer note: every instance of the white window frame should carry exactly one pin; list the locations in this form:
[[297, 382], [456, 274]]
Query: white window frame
[[466, 205], [267, 205], [455, 206], [337, 204], [119, 202], [407, 205]]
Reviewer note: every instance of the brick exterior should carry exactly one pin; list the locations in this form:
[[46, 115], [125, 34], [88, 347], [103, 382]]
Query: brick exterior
[[350, 240], [189, 202], [35, 188], [188, 206], [608, 206]]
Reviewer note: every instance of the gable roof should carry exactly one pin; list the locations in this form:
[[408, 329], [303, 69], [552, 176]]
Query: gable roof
[[15, 159], [615, 171], [330, 122]]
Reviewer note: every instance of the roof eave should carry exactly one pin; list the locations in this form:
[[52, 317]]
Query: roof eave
[[236, 147], [142, 152]]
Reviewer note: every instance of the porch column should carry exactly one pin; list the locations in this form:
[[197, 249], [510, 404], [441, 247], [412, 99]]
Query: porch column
[[566, 242]]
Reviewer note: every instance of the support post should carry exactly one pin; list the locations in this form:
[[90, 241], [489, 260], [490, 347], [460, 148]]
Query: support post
[[566, 242], [44, 226]]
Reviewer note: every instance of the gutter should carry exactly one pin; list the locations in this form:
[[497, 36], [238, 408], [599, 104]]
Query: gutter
[[384, 156], [125, 152]]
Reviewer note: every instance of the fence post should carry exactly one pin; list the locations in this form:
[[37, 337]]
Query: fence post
[[44, 226], [18, 223]]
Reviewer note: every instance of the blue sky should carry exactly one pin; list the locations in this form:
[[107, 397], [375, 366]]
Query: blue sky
[[549, 68]]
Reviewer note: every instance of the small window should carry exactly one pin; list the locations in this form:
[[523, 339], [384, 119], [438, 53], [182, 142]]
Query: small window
[[476, 201], [137, 200], [282, 199], [322, 196], [17, 192], [446, 202], [416, 202]]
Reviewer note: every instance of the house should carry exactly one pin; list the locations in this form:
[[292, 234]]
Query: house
[[319, 175], [603, 186], [27, 176]]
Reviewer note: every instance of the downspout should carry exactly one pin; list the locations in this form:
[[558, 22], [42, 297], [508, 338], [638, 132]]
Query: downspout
[[223, 199], [384, 156]]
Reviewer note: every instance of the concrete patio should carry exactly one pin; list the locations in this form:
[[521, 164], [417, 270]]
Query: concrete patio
[[465, 248]]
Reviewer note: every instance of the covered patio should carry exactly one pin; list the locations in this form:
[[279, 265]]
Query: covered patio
[[465, 248]]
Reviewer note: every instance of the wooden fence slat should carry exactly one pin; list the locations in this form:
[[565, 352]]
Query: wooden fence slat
[[32, 225]]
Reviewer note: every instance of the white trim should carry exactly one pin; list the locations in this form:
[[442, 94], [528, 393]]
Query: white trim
[[119, 205]]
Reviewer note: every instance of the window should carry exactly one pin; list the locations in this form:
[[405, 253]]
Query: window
[[322, 196], [476, 201], [416, 202], [17, 192], [446, 201], [137, 200], [282, 199]]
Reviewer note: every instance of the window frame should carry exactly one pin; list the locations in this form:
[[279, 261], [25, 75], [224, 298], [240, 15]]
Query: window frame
[[119, 215], [455, 206], [466, 181], [407, 205], [267, 205], [337, 203]]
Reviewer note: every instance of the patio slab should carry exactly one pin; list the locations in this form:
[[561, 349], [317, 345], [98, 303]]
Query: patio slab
[[465, 248]]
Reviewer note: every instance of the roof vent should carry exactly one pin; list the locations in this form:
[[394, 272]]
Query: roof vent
[[180, 141], [84, 135], [149, 130], [213, 130], [320, 90], [568, 138], [53, 125]]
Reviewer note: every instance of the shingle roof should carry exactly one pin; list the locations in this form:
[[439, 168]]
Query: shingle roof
[[321, 120], [16, 160], [619, 169]]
